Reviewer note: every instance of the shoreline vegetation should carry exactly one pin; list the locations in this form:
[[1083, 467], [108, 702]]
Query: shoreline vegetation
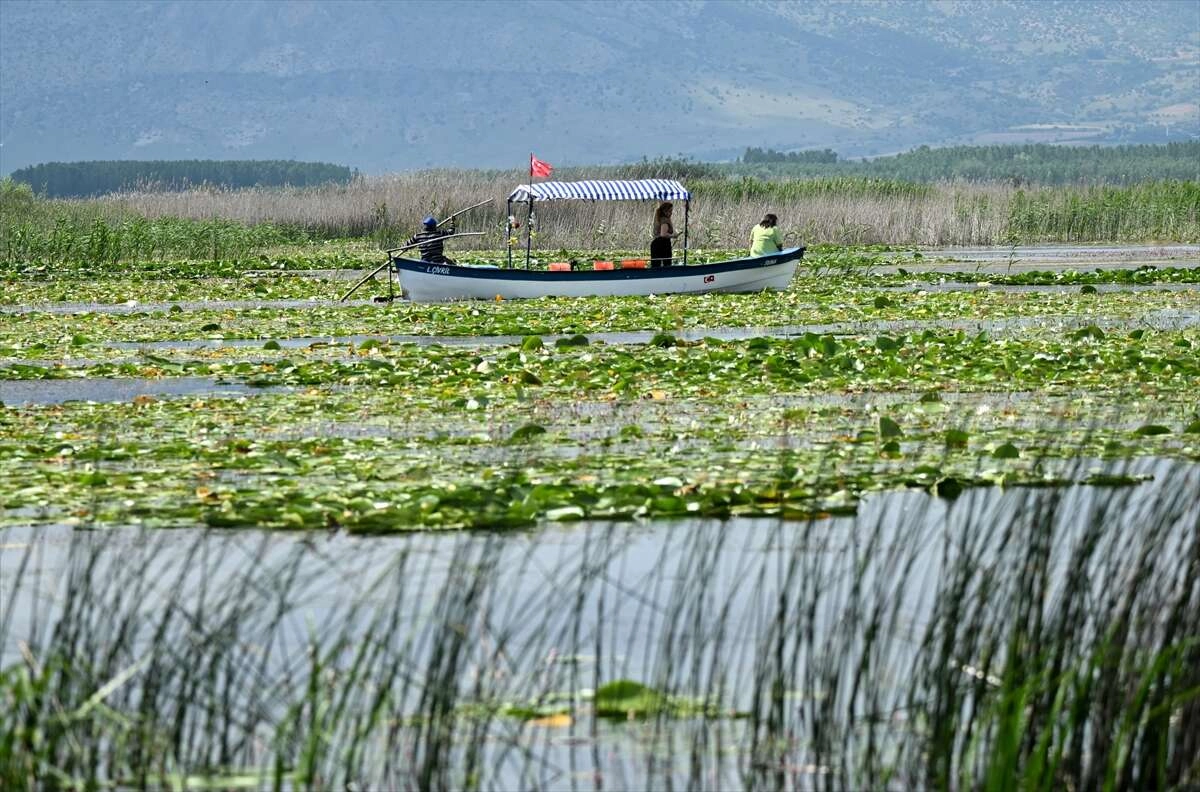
[[217, 223], [961, 196]]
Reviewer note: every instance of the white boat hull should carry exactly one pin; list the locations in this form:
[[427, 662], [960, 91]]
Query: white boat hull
[[422, 281]]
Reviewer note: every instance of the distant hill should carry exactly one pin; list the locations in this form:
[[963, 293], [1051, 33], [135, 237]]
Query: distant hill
[[389, 86]]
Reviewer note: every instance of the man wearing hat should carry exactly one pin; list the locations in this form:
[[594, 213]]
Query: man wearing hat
[[430, 239]]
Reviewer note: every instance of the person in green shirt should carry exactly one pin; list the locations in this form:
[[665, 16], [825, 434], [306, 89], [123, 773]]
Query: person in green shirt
[[765, 238]]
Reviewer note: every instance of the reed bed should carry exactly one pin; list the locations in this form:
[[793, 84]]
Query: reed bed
[[1040, 638], [864, 211], [213, 223]]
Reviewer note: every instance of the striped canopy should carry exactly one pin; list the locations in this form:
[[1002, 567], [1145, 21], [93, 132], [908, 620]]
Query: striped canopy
[[608, 190]]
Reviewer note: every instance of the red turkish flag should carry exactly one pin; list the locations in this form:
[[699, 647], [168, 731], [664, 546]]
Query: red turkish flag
[[539, 168]]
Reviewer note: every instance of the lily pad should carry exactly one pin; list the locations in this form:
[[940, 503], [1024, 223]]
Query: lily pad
[[1006, 451], [527, 433], [577, 340], [889, 428], [948, 488], [956, 438]]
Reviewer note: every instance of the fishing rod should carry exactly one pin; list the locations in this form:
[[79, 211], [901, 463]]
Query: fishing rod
[[390, 251], [464, 211], [397, 250]]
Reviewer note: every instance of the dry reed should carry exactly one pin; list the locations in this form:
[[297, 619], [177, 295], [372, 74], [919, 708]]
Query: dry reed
[[390, 207]]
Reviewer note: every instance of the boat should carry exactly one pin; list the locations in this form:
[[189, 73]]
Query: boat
[[423, 281]]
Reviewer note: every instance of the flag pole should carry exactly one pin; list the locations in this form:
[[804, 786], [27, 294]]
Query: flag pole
[[529, 213], [687, 202]]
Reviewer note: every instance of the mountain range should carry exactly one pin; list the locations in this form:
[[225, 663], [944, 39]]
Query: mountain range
[[388, 86]]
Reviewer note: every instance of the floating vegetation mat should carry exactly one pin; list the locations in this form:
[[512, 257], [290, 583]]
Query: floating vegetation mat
[[400, 437]]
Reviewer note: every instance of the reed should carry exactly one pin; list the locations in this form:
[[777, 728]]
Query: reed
[[214, 223]]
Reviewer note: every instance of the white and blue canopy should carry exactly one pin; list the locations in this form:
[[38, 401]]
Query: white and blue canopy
[[607, 190]]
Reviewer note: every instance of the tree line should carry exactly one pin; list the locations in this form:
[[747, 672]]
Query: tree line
[[822, 157], [85, 179], [1035, 163]]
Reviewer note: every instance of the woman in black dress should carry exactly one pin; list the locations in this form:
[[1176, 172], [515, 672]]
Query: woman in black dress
[[664, 232]]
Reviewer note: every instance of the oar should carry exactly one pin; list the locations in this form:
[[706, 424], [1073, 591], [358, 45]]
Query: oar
[[464, 211], [397, 250]]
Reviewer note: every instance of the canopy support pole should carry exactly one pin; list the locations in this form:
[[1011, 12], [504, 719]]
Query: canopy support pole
[[508, 232], [687, 202], [528, 225]]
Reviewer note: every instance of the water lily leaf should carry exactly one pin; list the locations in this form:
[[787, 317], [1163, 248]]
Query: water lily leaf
[[627, 699], [889, 428], [663, 340], [1193, 427], [527, 433], [1006, 451], [1088, 289], [272, 344], [1113, 480], [956, 438], [883, 302], [886, 343], [620, 690], [948, 488], [210, 327], [1149, 430], [565, 514], [532, 343], [577, 340]]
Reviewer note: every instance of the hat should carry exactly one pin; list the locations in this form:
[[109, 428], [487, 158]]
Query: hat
[[429, 222]]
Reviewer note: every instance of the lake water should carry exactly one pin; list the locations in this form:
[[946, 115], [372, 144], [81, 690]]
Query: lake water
[[701, 608]]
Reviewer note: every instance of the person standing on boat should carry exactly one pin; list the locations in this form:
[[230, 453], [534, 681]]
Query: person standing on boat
[[430, 239], [664, 232], [765, 238]]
